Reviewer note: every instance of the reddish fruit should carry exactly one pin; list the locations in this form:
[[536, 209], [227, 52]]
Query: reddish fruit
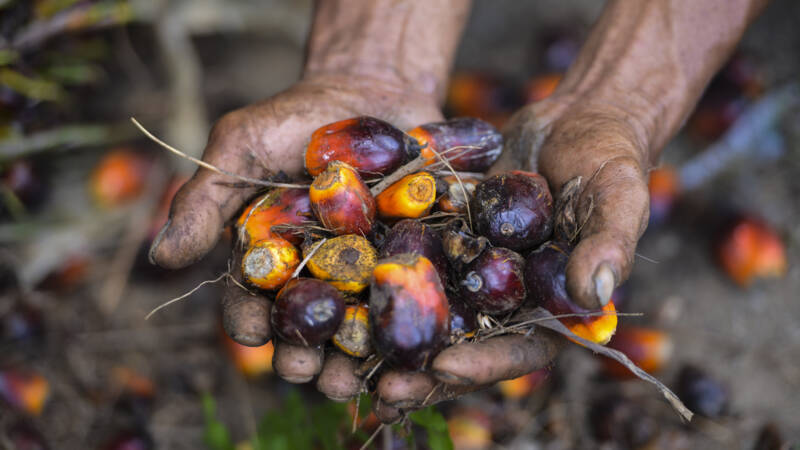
[[346, 262], [456, 195], [463, 320], [702, 393], [664, 187], [270, 262], [279, 206], [352, 337], [307, 311], [467, 143], [495, 283], [132, 382], [525, 385], [408, 311], [371, 146], [118, 178], [545, 279], [483, 96], [73, 271], [341, 200], [751, 250], [409, 198], [252, 362], [513, 210], [24, 390], [470, 429], [460, 246], [412, 236], [540, 87], [648, 348]]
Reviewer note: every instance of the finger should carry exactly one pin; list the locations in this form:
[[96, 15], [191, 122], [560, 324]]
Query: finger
[[413, 390], [296, 363], [496, 359], [338, 380], [245, 314], [202, 205], [614, 210]]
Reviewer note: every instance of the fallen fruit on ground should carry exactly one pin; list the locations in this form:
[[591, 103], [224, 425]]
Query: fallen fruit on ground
[[648, 348]]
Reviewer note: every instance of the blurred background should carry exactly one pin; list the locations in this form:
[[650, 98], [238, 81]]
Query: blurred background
[[82, 194]]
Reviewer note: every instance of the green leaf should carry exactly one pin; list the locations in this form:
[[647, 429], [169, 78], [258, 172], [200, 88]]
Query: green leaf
[[435, 425], [216, 435]]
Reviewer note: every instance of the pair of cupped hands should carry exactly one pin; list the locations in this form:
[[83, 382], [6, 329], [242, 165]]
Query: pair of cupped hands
[[559, 137]]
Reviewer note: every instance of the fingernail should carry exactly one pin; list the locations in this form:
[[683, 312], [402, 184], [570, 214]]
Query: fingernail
[[449, 378], [151, 255], [604, 283]]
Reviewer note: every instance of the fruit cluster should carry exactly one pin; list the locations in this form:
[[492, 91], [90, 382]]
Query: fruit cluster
[[404, 268]]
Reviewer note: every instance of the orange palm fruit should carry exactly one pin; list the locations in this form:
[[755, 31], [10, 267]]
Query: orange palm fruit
[[370, 145], [521, 387], [648, 348], [346, 262], [540, 87], [470, 429], [118, 178], [751, 250], [270, 262], [252, 362], [409, 198], [467, 143], [664, 187], [482, 95], [24, 390], [279, 206], [341, 200], [128, 380], [545, 279], [456, 196], [353, 334], [408, 311]]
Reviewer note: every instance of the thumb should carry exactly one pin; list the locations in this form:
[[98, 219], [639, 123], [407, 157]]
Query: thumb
[[203, 205]]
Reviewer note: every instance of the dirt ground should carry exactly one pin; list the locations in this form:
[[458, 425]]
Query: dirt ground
[[748, 339]]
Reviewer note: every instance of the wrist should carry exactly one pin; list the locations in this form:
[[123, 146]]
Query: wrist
[[407, 45]]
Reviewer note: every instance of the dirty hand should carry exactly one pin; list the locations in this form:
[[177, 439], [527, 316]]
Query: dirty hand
[[637, 78]]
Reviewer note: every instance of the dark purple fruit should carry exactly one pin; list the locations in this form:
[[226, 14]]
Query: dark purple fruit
[[513, 210], [495, 283], [545, 280], [412, 236], [622, 421], [468, 143], [409, 314], [463, 319], [307, 311], [701, 393]]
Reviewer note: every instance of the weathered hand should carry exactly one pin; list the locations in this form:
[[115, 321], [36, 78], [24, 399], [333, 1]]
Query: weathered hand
[[606, 147], [260, 140]]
